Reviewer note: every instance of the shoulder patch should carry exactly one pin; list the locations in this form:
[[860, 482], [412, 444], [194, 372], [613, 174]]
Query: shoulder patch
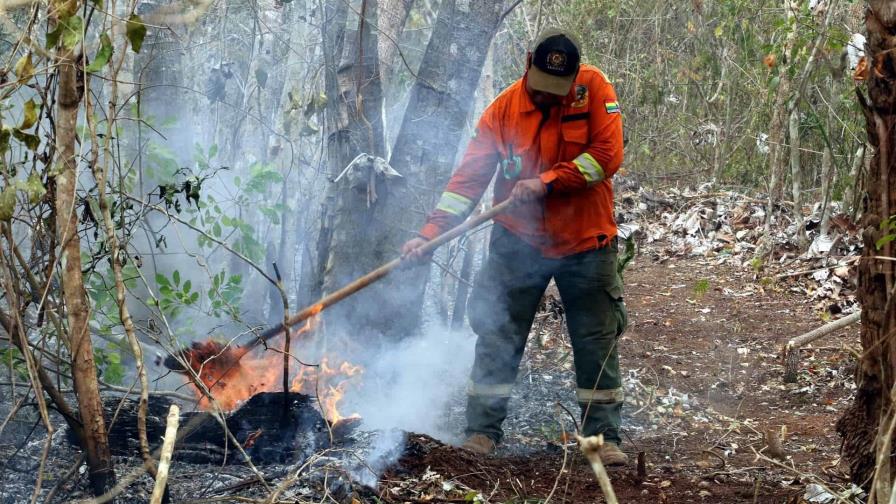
[[612, 106], [581, 96]]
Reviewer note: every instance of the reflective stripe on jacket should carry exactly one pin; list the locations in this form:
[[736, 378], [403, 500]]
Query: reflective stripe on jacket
[[575, 150]]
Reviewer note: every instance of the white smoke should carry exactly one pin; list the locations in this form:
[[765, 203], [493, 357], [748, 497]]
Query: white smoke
[[409, 385]]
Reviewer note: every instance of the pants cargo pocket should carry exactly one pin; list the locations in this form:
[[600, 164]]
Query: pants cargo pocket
[[618, 307]]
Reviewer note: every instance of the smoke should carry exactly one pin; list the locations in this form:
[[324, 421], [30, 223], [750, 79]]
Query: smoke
[[409, 385]]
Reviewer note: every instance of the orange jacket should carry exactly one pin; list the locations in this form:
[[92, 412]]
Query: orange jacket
[[574, 151]]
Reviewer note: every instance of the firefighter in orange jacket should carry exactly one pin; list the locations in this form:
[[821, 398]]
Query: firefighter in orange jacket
[[554, 138]]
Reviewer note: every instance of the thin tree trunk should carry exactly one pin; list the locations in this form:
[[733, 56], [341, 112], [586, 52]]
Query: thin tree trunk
[[851, 206], [777, 131], [827, 167], [393, 15], [77, 309], [864, 427], [463, 286], [796, 173]]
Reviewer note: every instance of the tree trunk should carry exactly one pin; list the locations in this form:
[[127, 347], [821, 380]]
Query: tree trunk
[[827, 166], [796, 173], [430, 134], [463, 286], [350, 235], [777, 132], [393, 14], [370, 214], [77, 309], [862, 425]]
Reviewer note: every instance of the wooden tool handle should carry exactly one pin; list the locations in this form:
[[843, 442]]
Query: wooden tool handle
[[377, 274]]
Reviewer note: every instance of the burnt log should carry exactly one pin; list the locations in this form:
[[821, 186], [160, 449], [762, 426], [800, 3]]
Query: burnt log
[[268, 430]]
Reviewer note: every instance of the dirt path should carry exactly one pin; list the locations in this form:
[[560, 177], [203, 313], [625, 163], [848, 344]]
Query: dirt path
[[704, 390]]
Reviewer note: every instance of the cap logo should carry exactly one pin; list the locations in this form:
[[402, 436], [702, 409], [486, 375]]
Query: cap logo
[[556, 61]]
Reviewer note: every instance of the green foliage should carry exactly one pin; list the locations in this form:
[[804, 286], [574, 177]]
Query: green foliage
[[29, 116], [11, 358], [887, 226], [108, 362], [102, 55], [629, 251], [701, 288], [224, 294], [24, 69], [757, 264], [69, 30], [7, 203], [174, 296], [136, 32]]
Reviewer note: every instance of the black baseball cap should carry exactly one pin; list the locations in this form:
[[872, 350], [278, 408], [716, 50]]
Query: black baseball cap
[[555, 62]]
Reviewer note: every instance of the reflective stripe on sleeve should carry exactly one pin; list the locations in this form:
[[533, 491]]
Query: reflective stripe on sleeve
[[455, 204], [490, 390], [600, 396], [590, 168]]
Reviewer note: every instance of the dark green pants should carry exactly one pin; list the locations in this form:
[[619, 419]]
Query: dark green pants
[[502, 307]]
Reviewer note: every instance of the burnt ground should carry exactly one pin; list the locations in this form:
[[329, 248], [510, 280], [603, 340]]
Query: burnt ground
[[704, 392]]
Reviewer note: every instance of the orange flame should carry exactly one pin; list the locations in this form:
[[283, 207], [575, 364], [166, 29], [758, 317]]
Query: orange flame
[[231, 381]]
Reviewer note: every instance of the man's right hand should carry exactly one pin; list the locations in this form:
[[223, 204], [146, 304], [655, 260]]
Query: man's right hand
[[410, 251]]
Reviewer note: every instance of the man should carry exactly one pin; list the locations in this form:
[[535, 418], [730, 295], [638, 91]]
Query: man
[[555, 139]]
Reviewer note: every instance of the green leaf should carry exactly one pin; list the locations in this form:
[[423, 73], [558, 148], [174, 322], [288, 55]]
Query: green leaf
[[884, 240], [103, 55], [73, 31], [136, 32], [162, 279], [113, 372], [69, 29], [30, 117], [212, 151], [176, 277], [7, 203], [53, 37], [30, 141], [24, 68], [34, 188], [188, 285], [5, 133]]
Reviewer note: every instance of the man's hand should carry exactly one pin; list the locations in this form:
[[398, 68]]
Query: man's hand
[[410, 251], [529, 190]]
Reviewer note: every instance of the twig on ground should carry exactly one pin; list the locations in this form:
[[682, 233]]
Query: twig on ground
[[792, 347], [165, 458], [590, 446]]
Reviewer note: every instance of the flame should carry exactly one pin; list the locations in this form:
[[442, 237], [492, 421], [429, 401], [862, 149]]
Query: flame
[[232, 380]]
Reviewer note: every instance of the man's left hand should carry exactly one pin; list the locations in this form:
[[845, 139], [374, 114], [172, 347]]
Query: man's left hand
[[529, 190]]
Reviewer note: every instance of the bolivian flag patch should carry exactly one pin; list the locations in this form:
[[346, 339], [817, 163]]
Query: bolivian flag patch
[[612, 106]]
